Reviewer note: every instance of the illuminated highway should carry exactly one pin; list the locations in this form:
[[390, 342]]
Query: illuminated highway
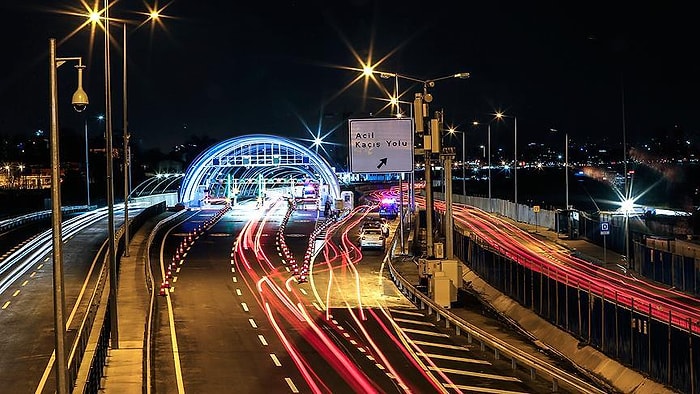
[[556, 262], [239, 317]]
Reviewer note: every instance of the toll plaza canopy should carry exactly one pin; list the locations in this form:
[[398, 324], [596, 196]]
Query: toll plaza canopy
[[250, 165]]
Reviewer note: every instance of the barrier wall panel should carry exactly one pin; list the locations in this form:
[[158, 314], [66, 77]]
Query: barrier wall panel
[[610, 335], [658, 350], [625, 336], [573, 311], [596, 322], [584, 305], [528, 277], [678, 366], [640, 342]]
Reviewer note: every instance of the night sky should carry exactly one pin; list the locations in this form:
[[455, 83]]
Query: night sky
[[227, 68]]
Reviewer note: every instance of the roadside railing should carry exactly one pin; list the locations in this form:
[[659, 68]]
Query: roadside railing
[[13, 222]]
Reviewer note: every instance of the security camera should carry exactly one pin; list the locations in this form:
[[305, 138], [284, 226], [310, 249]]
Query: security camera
[[79, 107], [80, 98]]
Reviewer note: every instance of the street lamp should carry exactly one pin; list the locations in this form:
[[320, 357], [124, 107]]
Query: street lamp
[[500, 115], [80, 102], [420, 111], [488, 143], [452, 131], [566, 165], [87, 159]]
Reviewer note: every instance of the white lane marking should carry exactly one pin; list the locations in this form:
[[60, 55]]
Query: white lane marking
[[275, 360], [421, 332], [32, 274], [291, 385], [317, 307], [453, 358], [262, 340], [245, 306], [302, 291], [235, 280], [411, 313], [476, 374], [441, 345], [25, 283], [174, 279], [380, 366], [252, 323], [238, 292], [40, 266], [480, 389], [15, 293], [6, 305], [233, 270], [418, 322]]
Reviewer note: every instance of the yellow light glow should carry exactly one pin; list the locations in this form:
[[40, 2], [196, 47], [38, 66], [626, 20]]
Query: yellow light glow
[[94, 17], [367, 70], [154, 14]]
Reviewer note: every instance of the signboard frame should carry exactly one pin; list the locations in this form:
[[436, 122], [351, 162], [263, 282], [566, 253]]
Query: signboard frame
[[370, 145]]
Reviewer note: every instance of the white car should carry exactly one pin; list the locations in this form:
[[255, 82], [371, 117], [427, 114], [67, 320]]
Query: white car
[[372, 238]]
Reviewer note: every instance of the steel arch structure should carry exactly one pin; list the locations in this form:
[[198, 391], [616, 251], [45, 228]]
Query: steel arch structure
[[241, 162]]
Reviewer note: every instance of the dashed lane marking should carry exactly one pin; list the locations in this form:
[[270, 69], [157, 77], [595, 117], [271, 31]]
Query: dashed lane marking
[[275, 360], [422, 332], [480, 389], [406, 312], [418, 322], [440, 345], [476, 374], [453, 358], [291, 385]]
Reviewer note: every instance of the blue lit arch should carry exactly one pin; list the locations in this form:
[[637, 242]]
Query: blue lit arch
[[248, 158]]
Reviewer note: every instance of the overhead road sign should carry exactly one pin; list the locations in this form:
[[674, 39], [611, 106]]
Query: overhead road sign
[[381, 145]]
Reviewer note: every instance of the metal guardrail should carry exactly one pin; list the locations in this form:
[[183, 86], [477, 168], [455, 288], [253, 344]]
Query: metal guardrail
[[536, 366], [13, 222]]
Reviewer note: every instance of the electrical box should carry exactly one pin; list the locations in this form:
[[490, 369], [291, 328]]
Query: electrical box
[[453, 271], [440, 290]]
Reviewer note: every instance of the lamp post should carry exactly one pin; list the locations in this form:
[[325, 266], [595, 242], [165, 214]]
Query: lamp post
[[488, 146], [126, 152], [500, 115], [452, 131], [566, 179], [87, 158], [80, 101]]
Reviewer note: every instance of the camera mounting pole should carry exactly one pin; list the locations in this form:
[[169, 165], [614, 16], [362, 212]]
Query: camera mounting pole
[[80, 102]]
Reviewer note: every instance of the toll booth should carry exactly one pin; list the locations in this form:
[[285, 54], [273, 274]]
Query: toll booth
[[568, 222]]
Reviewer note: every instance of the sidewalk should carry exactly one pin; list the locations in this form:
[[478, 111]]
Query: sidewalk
[[124, 367], [546, 340]]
